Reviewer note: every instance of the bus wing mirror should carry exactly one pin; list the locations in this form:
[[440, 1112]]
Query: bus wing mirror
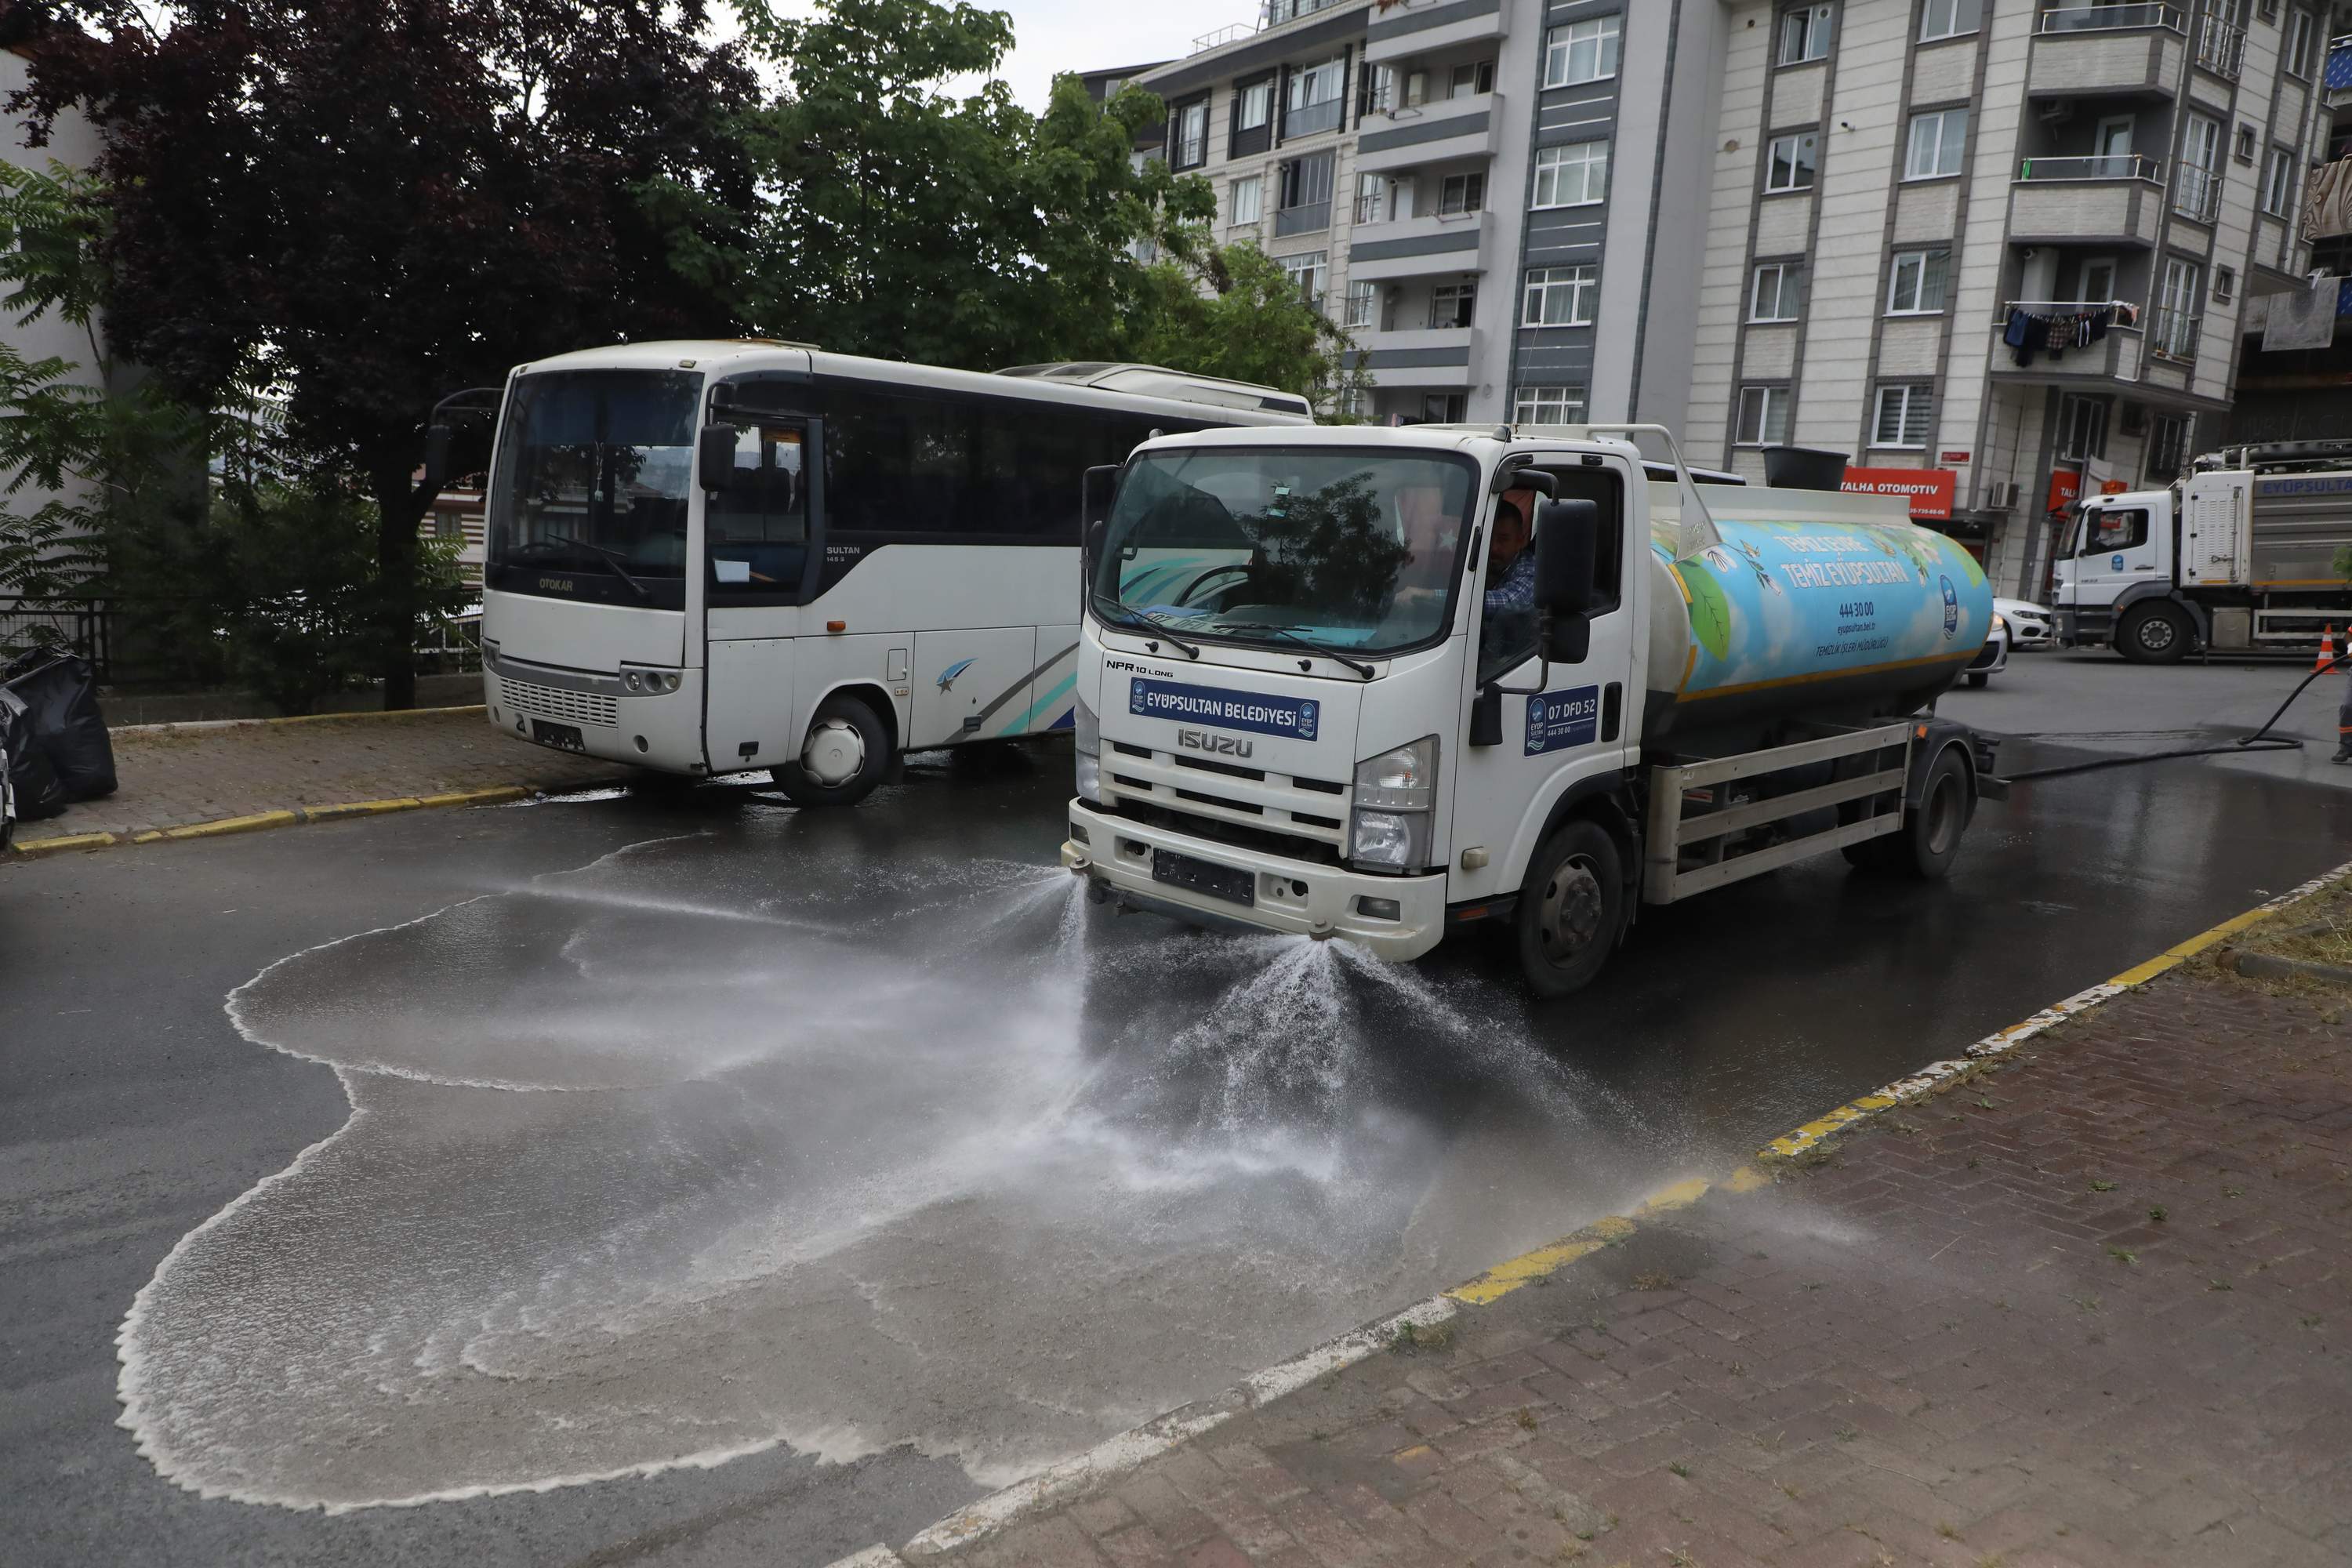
[[1101, 487], [1568, 556], [437, 438], [715, 459]]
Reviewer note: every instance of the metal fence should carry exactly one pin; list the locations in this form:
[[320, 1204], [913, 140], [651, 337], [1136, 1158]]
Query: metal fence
[[105, 631], [85, 625]]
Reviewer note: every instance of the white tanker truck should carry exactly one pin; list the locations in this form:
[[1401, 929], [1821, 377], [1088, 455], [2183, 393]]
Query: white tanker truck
[[1315, 697]]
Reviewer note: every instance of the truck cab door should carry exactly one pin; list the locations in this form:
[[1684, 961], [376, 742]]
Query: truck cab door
[[1578, 725], [2120, 545]]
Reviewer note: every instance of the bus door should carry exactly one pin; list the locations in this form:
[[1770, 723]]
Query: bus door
[[761, 562]]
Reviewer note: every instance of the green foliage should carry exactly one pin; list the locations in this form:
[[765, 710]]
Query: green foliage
[[1233, 311]]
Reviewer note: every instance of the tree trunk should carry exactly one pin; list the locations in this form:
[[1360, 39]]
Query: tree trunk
[[400, 508]]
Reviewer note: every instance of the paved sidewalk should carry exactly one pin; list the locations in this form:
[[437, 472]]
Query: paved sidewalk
[[180, 776], [2091, 1307]]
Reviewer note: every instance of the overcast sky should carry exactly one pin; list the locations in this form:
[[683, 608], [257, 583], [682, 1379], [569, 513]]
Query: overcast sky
[[1050, 36]]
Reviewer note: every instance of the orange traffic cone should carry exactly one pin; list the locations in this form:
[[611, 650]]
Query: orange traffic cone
[[2326, 647]]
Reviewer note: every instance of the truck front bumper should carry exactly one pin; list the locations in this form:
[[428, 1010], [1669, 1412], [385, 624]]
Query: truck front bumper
[[1293, 898]]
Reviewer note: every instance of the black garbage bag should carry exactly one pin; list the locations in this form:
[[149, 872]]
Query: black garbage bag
[[60, 690], [39, 791]]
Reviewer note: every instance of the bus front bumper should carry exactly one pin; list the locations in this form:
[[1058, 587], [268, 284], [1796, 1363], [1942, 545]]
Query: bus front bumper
[[1293, 898]]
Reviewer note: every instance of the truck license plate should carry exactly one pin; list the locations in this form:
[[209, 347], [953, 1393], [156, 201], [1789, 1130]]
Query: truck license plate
[[1201, 877], [562, 737]]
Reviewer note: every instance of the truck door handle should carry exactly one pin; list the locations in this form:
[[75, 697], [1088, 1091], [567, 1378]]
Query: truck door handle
[[1613, 710]]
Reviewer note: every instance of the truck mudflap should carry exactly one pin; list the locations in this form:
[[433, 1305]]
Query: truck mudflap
[[1206, 883]]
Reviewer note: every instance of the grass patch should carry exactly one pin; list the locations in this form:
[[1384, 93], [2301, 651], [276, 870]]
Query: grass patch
[[1411, 1341]]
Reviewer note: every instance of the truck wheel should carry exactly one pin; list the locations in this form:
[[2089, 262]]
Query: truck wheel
[[1572, 909], [2155, 634], [845, 756], [1932, 830]]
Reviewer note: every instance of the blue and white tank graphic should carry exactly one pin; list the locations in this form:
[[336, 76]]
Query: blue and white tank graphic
[[1780, 603]]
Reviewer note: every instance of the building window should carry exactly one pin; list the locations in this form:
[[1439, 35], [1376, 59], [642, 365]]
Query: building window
[[1572, 176], [1805, 34], [1444, 407], [1303, 193], [2278, 182], [1916, 286], [1314, 103], [1582, 51], [1462, 193], [1937, 142], [1191, 141], [1763, 416], [2225, 284], [1255, 107], [1452, 305], [2168, 447], [1247, 199], [1941, 19], [1311, 273], [2197, 183], [1902, 419], [2297, 54], [1549, 406], [1791, 162], [2082, 429], [2246, 144], [1562, 296], [1777, 292], [448, 525], [1470, 81], [1371, 198], [2173, 325], [1363, 303]]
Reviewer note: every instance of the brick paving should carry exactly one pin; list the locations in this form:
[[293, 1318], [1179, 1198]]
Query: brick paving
[[178, 776], [2090, 1307]]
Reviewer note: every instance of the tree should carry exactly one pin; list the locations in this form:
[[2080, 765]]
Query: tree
[[373, 203], [1232, 310]]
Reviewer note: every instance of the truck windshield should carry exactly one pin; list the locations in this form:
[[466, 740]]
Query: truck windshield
[[1351, 549], [589, 497]]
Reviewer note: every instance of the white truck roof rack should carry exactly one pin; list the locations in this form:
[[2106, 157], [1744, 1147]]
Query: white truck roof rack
[[2282, 455], [1156, 381]]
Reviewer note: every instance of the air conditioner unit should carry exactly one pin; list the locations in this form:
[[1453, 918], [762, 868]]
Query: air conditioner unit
[[2001, 496], [2057, 112]]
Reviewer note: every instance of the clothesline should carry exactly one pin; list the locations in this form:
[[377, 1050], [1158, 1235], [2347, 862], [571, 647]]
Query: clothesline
[[2029, 332]]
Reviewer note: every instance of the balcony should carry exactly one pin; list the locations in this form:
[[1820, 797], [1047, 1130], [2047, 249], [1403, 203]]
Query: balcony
[[1307, 218], [1424, 26], [2220, 48], [2103, 49], [2172, 336], [1419, 247], [2196, 194], [2117, 356], [1437, 357], [2115, 199], [1437, 132]]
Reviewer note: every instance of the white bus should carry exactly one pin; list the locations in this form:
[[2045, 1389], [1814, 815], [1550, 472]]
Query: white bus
[[712, 558]]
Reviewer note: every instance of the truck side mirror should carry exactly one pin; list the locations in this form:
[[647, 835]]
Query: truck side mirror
[[715, 457], [1568, 638], [437, 438], [1568, 556]]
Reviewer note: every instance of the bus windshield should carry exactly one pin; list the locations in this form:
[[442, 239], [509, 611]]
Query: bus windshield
[[1346, 549], [588, 498]]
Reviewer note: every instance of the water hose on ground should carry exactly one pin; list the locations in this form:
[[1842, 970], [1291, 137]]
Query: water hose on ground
[[2262, 740]]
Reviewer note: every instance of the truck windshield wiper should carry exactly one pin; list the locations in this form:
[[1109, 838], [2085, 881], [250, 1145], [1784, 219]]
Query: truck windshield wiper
[[1286, 635], [1144, 620], [611, 558]]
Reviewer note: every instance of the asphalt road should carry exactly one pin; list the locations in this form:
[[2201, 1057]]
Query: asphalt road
[[807, 1175]]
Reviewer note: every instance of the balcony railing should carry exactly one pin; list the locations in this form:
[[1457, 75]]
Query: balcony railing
[[2196, 193], [2220, 48], [2102, 18], [2102, 167], [2063, 308], [1222, 36], [2172, 335], [1307, 218], [1307, 119], [1371, 209], [1270, 13]]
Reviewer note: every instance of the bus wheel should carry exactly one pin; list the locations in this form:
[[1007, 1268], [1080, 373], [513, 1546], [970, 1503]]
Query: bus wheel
[[1572, 909], [845, 754], [2157, 634]]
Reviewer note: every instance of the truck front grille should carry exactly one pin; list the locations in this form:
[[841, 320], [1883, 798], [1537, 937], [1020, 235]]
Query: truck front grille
[[1299, 818], [555, 702]]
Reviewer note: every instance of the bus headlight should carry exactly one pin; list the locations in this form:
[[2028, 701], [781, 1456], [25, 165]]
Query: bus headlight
[[650, 682], [1396, 804], [1089, 731]]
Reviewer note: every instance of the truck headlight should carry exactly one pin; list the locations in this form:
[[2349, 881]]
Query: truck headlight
[[1088, 732], [1396, 802]]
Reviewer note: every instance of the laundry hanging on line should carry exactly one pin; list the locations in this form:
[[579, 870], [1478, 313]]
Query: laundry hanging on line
[[2030, 332]]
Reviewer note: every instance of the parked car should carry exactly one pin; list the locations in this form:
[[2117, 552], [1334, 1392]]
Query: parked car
[[2030, 625], [1994, 656]]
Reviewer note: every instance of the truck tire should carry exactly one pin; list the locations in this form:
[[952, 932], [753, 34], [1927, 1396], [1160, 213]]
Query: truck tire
[[845, 755], [1931, 834], [1572, 909], [2157, 633]]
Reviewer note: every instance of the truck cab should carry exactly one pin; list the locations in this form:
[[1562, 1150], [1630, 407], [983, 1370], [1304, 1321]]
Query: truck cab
[[2117, 571]]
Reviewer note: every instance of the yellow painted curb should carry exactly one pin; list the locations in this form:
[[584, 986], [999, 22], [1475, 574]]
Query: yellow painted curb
[[1505, 1277], [63, 842], [363, 713], [290, 817]]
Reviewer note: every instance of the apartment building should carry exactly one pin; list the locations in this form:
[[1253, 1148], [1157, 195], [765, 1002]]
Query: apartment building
[[1470, 187], [2010, 243]]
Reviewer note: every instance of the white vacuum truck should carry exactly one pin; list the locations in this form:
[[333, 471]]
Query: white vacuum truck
[[2242, 555], [1324, 691]]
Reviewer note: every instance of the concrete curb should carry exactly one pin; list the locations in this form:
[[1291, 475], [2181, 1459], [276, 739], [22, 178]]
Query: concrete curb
[[288, 816], [1130, 1450], [295, 719]]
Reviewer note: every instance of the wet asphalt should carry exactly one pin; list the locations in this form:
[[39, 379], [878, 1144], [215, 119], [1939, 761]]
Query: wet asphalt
[[807, 1175]]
